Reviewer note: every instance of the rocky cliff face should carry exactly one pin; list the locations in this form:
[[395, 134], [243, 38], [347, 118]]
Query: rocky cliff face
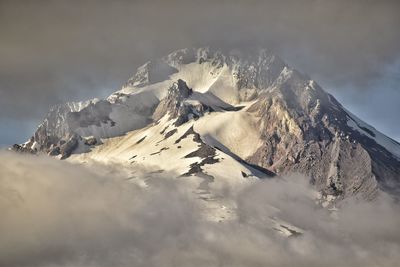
[[182, 104], [298, 126], [173, 104], [305, 130]]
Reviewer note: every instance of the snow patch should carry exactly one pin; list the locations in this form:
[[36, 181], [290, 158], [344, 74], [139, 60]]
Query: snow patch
[[389, 144]]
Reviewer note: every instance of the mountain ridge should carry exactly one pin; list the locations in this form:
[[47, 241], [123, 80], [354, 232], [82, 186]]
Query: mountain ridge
[[227, 98]]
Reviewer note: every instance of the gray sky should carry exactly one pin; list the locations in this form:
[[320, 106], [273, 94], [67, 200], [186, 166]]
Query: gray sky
[[57, 51]]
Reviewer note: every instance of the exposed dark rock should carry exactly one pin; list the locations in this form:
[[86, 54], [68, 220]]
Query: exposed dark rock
[[205, 152], [293, 233], [173, 101], [159, 152], [90, 141], [70, 145], [157, 171], [233, 108], [163, 130], [21, 149], [174, 104], [141, 140], [54, 151], [190, 131], [170, 133]]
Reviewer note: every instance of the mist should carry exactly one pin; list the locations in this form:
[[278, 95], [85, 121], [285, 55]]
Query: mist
[[58, 51], [55, 213]]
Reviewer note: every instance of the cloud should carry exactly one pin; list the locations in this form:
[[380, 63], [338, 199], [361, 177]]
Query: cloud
[[55, 213], [58, 51], [58, 214], [79, 49]]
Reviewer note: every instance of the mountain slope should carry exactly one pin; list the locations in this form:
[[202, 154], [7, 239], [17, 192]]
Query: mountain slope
[[225, 117]]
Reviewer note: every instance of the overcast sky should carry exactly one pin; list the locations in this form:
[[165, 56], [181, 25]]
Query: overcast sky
[[57, 51]]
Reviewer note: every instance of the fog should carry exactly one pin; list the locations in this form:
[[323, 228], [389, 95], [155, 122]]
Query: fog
[[57, 51], [58, 214]]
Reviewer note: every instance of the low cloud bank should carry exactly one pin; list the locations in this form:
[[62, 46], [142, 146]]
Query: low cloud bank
[[58, 214]]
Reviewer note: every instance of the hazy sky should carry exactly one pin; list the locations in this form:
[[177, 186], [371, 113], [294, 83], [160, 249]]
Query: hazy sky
[[57, 51]]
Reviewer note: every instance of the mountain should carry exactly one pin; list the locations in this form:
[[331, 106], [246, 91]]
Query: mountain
[[226, 118]]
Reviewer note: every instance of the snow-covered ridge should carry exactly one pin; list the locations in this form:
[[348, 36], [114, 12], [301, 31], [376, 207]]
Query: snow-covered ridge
[[389, 144], [231, 76], [217, 79]]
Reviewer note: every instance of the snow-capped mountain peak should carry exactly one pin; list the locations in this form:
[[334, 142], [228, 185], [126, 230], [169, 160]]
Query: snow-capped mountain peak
[[226, 115]]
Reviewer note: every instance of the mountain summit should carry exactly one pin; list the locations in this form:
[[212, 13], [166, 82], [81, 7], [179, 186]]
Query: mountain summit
[[226, 118]]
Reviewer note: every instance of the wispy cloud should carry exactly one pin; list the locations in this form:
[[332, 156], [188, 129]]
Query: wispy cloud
[[58, 214], [55, 51]]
